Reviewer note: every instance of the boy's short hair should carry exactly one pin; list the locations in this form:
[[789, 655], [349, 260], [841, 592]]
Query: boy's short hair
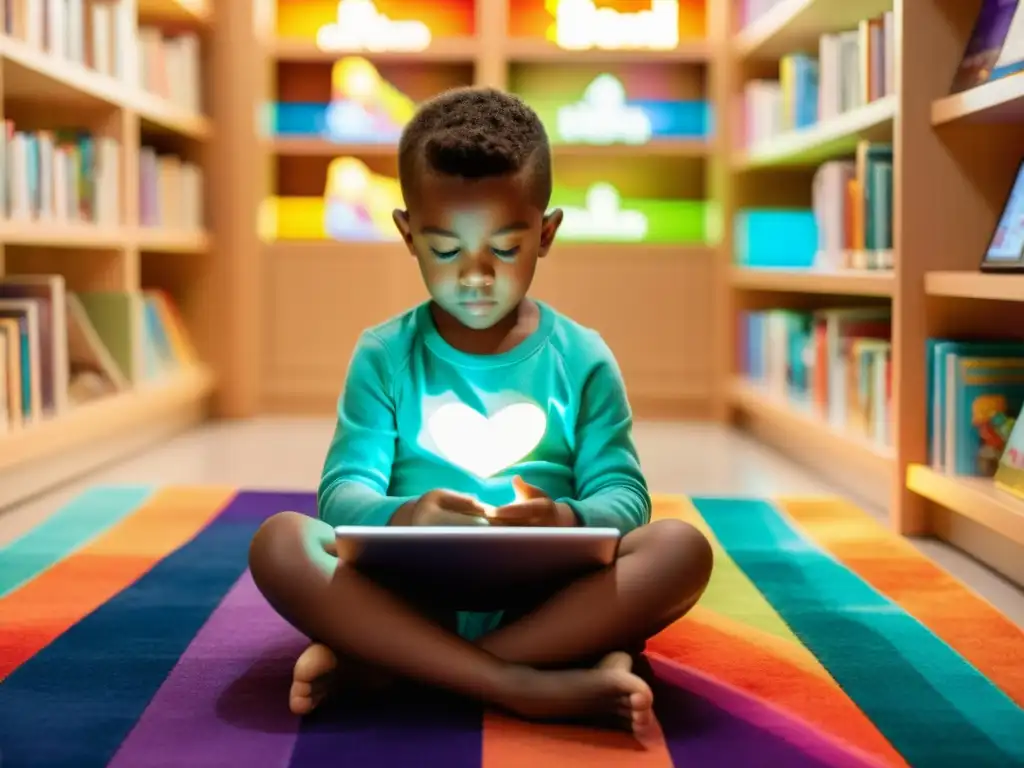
[[474, 133]]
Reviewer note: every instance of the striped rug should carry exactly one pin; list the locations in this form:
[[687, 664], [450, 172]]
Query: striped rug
[[131, 635]]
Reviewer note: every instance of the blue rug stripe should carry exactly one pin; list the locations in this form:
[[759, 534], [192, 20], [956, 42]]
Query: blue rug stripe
[[73, 703], [933, 706], [67, 530]]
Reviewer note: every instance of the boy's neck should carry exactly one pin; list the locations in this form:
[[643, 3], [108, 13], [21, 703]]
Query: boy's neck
[[506, 334]]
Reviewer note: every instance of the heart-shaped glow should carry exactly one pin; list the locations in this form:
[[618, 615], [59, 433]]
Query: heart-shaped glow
[[486, 446]]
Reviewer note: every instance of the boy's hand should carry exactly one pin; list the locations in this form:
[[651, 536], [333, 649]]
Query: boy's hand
[[532, 507], [443, 507]]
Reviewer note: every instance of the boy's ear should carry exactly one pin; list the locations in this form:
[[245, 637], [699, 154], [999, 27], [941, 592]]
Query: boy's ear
[[548, 229], [401, 219]]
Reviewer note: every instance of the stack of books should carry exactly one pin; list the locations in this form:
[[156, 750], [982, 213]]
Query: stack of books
[[852, 69], [170, 192], [103, 36], [65, 177], [834, 364], [61, 349], [853, 209], [975, 394], [169, 66]]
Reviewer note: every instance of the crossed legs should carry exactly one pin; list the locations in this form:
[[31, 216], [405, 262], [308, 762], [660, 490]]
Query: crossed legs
[[529, 666]]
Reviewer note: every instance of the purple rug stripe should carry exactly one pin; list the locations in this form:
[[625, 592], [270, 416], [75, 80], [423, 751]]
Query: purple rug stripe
[[226, 700], [699, 732], [764, 716], [405, 730]]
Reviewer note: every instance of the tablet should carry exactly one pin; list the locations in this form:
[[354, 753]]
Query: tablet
[[1005, 252], [474, 560]]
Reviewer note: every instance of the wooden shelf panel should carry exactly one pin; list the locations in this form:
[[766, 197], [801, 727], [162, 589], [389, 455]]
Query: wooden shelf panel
[[999, 101], [31, 74], [171, 241], [847, 460], [847, 282], [315, 147], [103, 419], [977, 498], [826, 140], [975, 285], [795, 25], [57, 235], [190, 11], [445, 49], [519, 50]]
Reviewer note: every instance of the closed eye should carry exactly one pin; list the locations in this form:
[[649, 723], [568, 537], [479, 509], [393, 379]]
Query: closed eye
[[505, 253], [445, 255]]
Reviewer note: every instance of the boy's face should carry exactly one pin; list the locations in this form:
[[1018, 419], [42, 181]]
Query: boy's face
[[477, 243]]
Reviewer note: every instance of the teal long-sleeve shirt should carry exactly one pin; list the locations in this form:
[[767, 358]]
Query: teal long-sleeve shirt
[[417, 414]]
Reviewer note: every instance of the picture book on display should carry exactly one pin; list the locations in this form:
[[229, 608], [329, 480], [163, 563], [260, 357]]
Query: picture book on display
[[1010, 472], [975, 393], [996, 45]]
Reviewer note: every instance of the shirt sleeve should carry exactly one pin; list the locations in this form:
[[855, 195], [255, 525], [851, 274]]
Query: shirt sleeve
[[611, 490], [357, 470]]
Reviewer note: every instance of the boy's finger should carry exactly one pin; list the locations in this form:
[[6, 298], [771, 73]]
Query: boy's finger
[[460, 502], [526, 510], [524, 491]]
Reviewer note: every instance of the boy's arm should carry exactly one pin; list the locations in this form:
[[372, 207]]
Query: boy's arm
[[610, 487], [357, 471]]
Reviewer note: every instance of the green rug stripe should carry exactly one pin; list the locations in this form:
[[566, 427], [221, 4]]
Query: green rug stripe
[[934, 707], [67, 530], [733, 595]]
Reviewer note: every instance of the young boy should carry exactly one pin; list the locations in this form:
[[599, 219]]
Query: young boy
[[475, 170]]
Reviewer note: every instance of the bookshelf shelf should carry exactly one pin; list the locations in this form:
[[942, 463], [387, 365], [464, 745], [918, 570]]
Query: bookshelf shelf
[[57, 235], [976, 498], [795, 25], [539, 51], [32, 75], [441, 50], [55, 449], [172, 241], [975, 285], [803, 434], [999, 101], [188, 11], [826, 140], [848, 282]]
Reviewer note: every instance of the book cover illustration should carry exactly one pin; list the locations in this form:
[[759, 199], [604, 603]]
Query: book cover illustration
[[1009, 474], [984, 401], [985, 45]]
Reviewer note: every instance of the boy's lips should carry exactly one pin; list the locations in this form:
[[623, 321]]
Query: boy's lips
[[478, 306]]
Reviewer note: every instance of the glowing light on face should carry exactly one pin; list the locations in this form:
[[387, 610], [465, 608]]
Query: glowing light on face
[[580, 24], [485, 446], [603, 217], [361, 27], [603, 116]]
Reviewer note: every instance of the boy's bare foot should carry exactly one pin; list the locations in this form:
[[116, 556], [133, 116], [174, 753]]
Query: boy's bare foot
[[608, 690], [314, 675]]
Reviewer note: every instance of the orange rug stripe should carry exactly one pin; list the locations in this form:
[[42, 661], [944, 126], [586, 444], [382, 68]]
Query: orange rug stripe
[[42, 609], [894, 567], [510, 743]]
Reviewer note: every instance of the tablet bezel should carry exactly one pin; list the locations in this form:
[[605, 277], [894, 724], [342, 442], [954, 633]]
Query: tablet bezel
[[1005, 265]]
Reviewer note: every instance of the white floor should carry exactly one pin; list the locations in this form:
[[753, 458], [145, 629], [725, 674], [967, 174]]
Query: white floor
[[283, 454]]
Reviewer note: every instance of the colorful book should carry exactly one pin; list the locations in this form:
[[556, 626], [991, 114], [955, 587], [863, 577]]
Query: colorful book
[[1009, 474], [985, 44], [985, 396]]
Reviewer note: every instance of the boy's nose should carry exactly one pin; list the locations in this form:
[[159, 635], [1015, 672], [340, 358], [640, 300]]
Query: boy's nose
[[476, 279]]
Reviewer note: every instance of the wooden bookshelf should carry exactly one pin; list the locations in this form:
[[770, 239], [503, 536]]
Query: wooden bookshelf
[[977, 498], [826, 140], [955, 157], [796, 25], [965, 284], [623, 289], [44, 90], [999, 100], [850, 282], [796, 429]]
